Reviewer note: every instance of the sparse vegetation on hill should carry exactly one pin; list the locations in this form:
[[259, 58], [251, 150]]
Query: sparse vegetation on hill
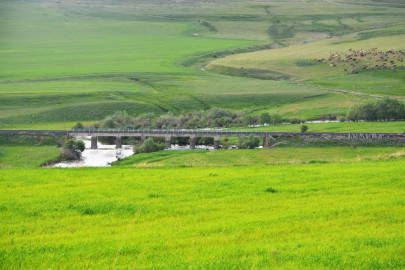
[[215, 117]]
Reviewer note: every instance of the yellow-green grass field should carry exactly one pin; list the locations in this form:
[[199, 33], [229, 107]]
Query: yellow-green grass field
[[275, 156], [312, 216]]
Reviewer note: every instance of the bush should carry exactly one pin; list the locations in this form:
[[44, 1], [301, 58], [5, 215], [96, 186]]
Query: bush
[[72, 150], [149, 146], [250, 142], [342, 119], [226, 145], [304, 128], [277, 118], [109, 123], [271, 190], [265, 118], [247, 120], [78, 125]]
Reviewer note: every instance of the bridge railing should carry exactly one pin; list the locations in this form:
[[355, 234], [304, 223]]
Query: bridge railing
[[168, 131], [222, 132]]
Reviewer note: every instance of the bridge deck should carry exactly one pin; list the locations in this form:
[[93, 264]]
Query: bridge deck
[[185, 133]]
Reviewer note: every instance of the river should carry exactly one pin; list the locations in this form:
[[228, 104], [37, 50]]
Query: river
[[105, 154]]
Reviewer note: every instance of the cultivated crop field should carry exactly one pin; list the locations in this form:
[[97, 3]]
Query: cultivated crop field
[[340, 215]]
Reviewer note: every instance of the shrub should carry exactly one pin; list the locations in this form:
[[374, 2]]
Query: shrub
[[277, 118], [250, 142], [72, 150], [247, 120], [149, 146], [226, 145], [271, 190], [109, 123], [78, 125], [304, 128], [265, 118]]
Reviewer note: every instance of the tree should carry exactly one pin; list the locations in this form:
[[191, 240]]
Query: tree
[[265, 118], [109, 123], [353, 114], [247, 120], [304, 128], [383, 110], [250, 142], [78, 125], [149, 146], [72, 149], [277, 118]]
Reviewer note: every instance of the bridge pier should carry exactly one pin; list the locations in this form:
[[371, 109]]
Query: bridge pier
[[266, 141], [192, 142], [168, 141], [143, 138], [118, 142], [93, 142], [216, 142]]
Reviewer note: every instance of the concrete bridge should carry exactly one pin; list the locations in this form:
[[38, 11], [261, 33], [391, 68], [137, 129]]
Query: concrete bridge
[[192, 134], [217, 134]]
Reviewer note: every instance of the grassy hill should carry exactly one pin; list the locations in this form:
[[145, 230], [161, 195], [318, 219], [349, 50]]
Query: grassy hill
[[298, 63], [81, 61]]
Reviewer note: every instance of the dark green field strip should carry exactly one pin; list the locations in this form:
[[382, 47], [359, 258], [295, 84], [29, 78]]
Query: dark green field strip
[[82, 112]]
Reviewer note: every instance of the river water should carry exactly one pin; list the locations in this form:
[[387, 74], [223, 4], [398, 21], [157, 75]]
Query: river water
[[105, 154], [100, 157]]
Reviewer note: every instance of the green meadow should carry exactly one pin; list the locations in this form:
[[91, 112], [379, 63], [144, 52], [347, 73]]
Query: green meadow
[[27, 156], [80, 61], [281, 208], [276, 156], [338, 215]]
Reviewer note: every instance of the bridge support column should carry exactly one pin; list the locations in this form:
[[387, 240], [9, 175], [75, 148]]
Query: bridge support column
[[143, 138], [67, 136], [192, 142], [93, 142], [266, 141], [168, 141], [216, 142], [118, 142]]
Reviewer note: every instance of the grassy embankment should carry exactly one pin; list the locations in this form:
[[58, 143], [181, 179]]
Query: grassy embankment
[[342, 215], [26, 151], [84, 61], [285, 155]]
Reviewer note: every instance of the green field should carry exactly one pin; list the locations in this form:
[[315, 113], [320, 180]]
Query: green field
[[27, 156], [322, 207], [340, 215], [80, 61], [338, 127], [297, 63], [276, 156]]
